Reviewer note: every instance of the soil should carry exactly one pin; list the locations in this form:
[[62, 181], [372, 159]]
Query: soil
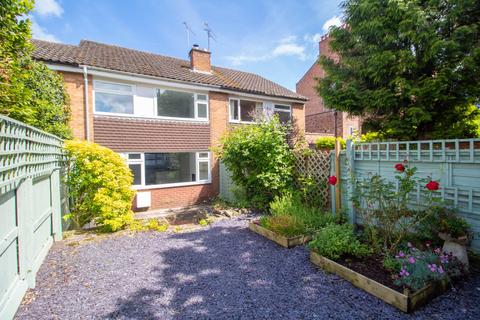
[[371, 267]]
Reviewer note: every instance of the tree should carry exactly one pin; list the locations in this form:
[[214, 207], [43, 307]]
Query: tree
[[29, 91], [408, 67]]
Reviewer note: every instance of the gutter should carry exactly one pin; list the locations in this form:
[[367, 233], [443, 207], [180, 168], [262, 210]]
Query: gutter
[[87, 113]]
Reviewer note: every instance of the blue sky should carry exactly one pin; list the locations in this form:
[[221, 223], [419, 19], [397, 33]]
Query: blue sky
[[277, 39]]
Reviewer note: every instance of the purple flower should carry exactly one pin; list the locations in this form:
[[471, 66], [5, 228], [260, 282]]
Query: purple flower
[[437, 251], [432, 267], [440, 269], [411, 260], [401, 254]]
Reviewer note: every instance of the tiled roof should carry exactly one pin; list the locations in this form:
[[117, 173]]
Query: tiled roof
[[116, 58]]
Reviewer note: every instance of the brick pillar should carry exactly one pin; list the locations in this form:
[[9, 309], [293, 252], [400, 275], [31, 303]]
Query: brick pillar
[[298, 113], [74, 85], [218, 103]]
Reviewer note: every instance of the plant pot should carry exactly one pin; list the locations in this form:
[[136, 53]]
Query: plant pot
[[406, 301], [456, 246], [287, 242]]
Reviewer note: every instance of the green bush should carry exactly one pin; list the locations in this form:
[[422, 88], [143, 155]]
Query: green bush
[[287, 226], [309, 219], [99, 184], [329, 143], [259, 160], [336, 241], [372, 136]]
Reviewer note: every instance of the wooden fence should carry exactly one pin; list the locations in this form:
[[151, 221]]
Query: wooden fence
[[453, 163], [30, 207]]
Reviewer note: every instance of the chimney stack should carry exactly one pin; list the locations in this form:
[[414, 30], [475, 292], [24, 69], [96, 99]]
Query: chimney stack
[[200, 59]]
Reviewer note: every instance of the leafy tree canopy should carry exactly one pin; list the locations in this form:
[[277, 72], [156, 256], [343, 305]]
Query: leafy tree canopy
[[408, 67], [29, 91]]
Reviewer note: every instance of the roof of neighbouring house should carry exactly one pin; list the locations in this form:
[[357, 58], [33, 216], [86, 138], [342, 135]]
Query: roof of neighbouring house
[[95, 54]]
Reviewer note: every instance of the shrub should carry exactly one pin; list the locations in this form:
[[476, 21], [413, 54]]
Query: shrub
[[419, 268], [287, 226], [445, 220], [372, 136], [310, 219], [259, 160], [99, 184], [338, 240], [329, 143]]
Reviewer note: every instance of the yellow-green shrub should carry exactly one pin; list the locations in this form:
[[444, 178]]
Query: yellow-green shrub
[[328, 143], [99, 184]]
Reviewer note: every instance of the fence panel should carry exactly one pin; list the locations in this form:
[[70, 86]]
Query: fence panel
[[30, 207], [453, 163]]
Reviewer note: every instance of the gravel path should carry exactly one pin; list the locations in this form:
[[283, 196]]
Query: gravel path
[[219, 272]]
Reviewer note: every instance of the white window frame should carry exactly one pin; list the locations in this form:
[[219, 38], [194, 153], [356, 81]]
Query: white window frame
[[117, 92], [283, 110], [196, 102], [198, 160], [230, 119]]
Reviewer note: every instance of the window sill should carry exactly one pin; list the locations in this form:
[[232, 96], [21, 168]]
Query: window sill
[[170, 185], [122, 115]]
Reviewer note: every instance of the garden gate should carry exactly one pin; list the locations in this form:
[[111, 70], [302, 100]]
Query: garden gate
[[453, 163], [30, 207]]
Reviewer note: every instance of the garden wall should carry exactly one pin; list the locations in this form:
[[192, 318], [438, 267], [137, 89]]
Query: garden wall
[[30, 207], [453, 163]]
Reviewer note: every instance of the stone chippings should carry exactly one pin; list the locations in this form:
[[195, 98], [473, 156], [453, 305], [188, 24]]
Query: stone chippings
[[223, 271]]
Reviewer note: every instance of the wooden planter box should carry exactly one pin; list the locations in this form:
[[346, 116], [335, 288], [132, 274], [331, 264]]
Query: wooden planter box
[[281, 240], [407, 301]]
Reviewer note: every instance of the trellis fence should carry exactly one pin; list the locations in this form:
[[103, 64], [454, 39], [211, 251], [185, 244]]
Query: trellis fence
[[453, 163], [312, 167], [30, 207]]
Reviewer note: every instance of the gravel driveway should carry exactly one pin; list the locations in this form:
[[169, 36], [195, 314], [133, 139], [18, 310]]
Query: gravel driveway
[[223, 271]]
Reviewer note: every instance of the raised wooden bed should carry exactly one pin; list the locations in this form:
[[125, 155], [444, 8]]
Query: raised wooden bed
[[407, 301], [281, 240]]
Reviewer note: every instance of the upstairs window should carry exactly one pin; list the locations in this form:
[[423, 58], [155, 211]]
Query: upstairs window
[[243, 110], [113, 97], [284, 112], [182, 105]]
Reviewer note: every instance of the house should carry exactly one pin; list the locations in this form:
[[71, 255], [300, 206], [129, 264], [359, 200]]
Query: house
[[162, 114], [319, 120]]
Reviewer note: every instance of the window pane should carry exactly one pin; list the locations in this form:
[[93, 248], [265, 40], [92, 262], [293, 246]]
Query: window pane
[[247, 110], [203, 170], [113, 86], [203, 155], [137, 173], [134, 156], [283, 116], [175, 104], [114, 103], [233, 109], [202, 110], [202, 97], [281, 107], [161, 168]]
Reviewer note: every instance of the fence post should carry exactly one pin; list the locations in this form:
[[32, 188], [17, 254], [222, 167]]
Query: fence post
[[338, 194], [332, 188], [56, 205], [350, 165], [25, 230]]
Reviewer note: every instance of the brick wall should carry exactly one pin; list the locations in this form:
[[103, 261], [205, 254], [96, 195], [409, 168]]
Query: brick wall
[[175, 197], [74, 85], [298, 113], [200, 60], [318, 118]]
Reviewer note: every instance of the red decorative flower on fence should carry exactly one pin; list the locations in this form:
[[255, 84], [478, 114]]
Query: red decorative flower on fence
[[432, 185], [332, 180], [400, 167]]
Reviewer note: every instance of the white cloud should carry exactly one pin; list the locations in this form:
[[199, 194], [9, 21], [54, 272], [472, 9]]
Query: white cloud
[[48, 7], [38, 32], [287, 46], [333, 21], [315, 38]]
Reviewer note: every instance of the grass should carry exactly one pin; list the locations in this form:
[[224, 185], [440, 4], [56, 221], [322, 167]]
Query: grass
[[291, 217]]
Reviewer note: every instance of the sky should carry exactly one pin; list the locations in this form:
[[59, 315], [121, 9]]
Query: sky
[[277, 39]]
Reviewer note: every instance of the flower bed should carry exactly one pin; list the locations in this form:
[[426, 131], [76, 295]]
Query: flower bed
[[405, 301], [287, 242]]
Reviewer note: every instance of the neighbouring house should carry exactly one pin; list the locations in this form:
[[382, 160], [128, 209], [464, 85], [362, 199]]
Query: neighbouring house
[[320, 120], [162, 114]]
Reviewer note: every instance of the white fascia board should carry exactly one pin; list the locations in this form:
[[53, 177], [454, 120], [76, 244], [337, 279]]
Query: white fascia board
[[128, 76]]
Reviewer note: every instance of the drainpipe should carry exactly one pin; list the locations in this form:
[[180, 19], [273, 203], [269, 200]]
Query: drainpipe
[[87, 113]]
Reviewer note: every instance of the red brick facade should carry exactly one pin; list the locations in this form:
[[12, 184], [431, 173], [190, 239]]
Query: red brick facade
[[320, 120]]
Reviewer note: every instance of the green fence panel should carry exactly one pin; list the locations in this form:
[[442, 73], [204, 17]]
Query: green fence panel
[[454, 163], [30, 207]]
